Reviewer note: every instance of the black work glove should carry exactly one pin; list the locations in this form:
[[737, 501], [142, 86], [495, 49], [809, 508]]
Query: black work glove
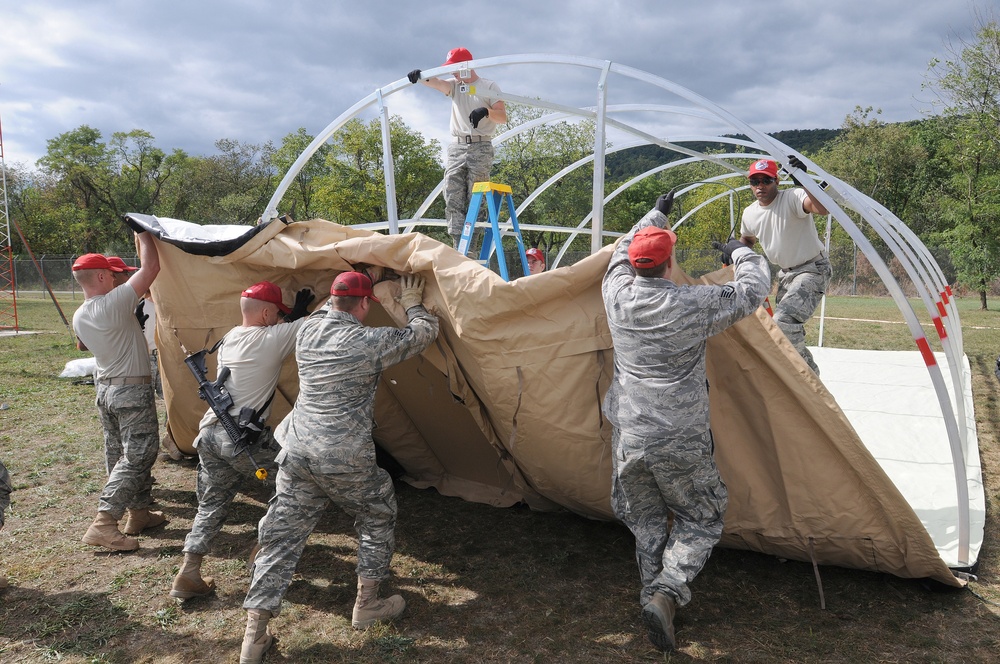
[[727, 250], [665, 203], [141, 315], [414, 76], [794, 163], [302, 301], [478, 114]]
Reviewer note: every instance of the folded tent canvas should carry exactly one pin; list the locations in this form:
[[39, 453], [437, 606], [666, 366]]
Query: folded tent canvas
[[505, 407]]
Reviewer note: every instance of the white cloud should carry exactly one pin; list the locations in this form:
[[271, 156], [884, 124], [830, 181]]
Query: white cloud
[[192, 72]]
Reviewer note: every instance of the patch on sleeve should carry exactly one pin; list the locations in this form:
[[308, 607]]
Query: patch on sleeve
[[727, 292]]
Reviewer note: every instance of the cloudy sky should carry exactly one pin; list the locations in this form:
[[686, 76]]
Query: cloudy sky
[[193, 71]]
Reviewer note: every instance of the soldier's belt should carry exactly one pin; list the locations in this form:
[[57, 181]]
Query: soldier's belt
[[472, 139], [818, 257], [127, 380]]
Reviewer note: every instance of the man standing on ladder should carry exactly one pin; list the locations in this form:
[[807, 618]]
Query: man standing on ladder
[[476, 110]]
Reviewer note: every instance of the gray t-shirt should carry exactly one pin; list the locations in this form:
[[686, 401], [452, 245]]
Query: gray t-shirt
[[254, 356], [784, 229], [106, 324]]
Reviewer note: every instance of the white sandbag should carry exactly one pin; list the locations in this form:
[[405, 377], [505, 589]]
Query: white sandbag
[[77, 368]]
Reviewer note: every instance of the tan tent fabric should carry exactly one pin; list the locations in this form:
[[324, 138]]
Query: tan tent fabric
[[506, 406]]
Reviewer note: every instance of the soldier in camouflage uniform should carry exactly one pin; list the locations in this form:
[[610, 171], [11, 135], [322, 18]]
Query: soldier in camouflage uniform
[[327, 451], [782, 220], [254, 353], [5, 488], [476, 110], [106, 325], [658, 407]]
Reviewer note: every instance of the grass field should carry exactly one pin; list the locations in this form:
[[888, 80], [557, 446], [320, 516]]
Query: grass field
[[482, 584]]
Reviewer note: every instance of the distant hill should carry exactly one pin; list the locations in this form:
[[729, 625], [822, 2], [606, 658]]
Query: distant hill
[[631, 162]]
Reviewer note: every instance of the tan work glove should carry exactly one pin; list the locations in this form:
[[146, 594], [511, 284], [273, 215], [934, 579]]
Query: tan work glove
[[412, 290]]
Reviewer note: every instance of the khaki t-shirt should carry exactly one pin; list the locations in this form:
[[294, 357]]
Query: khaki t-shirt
[[785, 230], [482, 92], [106, 324], [254, 356]]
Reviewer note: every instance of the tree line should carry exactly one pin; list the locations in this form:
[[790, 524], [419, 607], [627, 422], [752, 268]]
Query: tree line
[[939, 175]]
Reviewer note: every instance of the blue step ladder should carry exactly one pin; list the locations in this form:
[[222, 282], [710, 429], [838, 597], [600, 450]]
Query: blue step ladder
[[495, 195]]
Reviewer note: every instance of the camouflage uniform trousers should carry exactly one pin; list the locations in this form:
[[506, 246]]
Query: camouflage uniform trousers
[[154, 371], [131, 440], [467, 164], [305, 488], [654, 477], [800, 290], [5, 490], [221, 473]]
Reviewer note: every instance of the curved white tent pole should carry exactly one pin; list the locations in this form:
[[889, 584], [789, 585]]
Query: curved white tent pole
[[913, 256]]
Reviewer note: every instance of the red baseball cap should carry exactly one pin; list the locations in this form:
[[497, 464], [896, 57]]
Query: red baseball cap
[[265, 291], [352, 284], [651, 247], [120, 264], [460, 54], [94, 262], [765, 167], [535, 253]]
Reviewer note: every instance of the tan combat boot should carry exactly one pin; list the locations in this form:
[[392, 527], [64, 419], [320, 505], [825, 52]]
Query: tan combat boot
[[257, 639], [140, 520], [188, 582], [3, 582], [104, 532], [368, 608], [170, 447], [658, 616]]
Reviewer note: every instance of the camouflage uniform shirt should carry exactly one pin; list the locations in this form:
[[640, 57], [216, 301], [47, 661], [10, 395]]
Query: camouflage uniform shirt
[[659, 331], [340, 362]]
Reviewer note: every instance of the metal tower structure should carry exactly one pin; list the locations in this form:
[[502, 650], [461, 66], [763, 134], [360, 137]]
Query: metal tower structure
[[8, 291]]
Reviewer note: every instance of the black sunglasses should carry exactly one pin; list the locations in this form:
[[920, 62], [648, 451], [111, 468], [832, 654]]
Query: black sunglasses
[[756, 182]]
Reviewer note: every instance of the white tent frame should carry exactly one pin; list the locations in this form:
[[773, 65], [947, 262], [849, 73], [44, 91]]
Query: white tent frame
[[838, 197]]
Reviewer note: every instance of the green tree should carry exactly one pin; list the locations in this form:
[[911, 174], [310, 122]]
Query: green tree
[[231, 187], [528, 159], [884, 161], [300, 196], [967, 82], [353, 192], [103, 181]]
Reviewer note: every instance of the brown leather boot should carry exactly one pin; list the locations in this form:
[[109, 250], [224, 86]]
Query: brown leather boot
[[140, 520], [188, 582], [104, 532], [256, 639], [659, 618], [368, 608]]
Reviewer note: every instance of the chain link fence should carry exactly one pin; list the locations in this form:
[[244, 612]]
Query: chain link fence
[[57, 270]]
